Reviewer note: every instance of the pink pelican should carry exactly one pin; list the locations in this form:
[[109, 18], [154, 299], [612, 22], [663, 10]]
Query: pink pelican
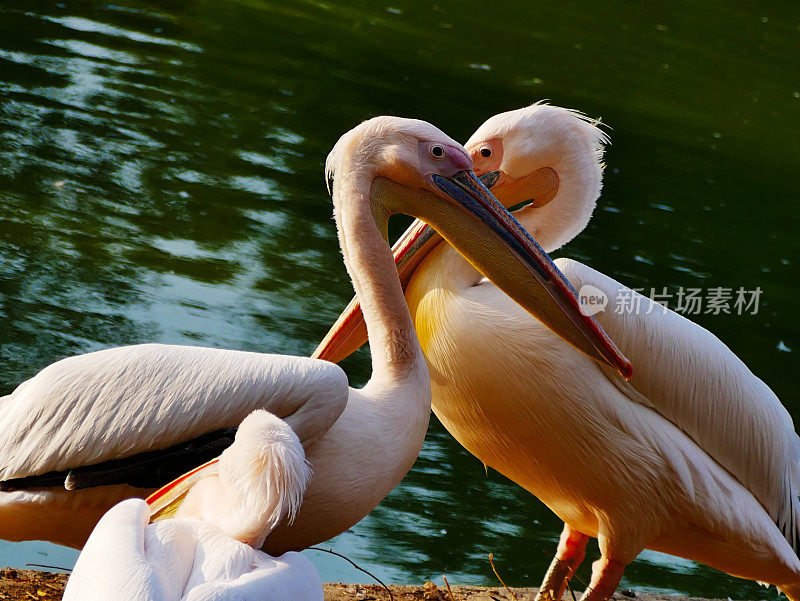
[[209, 552], [91, 430], [694, 456]]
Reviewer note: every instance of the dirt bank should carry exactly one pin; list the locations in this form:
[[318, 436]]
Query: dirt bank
[[46, 586]]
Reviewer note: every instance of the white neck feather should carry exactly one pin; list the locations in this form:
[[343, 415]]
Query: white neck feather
[[396, 353], [580, 175]]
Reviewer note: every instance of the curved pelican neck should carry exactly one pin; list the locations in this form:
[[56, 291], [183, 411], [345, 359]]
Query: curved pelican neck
[[580, 179], [395, 349]]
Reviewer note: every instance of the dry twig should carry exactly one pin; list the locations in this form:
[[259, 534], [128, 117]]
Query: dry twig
[[359, 568], [41, 565], [572, 594], [494, 569], [449, 591]]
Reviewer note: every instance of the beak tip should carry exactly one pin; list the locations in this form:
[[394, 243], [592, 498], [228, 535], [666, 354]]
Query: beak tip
[[625, 369]]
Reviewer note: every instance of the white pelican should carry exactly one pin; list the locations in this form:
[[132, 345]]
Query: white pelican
[[95, 419], [209, 552], [694, 456]]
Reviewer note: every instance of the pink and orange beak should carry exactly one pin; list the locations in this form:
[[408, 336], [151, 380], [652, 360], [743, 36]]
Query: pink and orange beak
[[487, 235], [166, 501], [349, 333], [563, 316]]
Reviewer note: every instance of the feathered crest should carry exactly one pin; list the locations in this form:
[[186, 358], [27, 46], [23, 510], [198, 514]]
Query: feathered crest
[[502, 124]]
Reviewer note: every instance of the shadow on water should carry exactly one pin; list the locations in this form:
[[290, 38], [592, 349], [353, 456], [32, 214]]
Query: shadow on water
[[161, 180]]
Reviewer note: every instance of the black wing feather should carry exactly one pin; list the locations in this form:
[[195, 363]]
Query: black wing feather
[[151, 469]]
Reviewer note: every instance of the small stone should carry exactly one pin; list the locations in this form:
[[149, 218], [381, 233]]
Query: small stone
[[627, 593], [431, 592]]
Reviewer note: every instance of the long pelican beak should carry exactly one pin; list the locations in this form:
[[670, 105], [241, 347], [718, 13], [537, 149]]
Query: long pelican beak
[[166, 501], [472, 221], [489, 237]]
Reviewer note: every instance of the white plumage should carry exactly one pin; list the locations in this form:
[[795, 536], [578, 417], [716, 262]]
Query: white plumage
[[122, 401], [688, 376], [694, 456], [112, 403], [209, 552], [119, 402]]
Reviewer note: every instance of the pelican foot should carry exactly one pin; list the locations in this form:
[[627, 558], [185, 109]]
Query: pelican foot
[[606, 574], [569, 555]]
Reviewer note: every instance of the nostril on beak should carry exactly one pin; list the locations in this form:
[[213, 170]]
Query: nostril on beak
[[461, 161]]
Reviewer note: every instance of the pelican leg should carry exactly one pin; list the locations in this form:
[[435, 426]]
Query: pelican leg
[[569, 555], [606, 574]]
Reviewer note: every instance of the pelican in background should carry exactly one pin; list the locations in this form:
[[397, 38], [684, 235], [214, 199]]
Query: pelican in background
[[693, 456], [209, 552], [124, 421]]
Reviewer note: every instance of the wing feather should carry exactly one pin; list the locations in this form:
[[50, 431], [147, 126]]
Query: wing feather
[[691, 378], [123, 401]]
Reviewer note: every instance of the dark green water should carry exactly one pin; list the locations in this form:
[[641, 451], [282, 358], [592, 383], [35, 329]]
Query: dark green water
[[161, 180]]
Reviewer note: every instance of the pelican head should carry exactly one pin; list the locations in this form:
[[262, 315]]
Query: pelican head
[[393, 165], [545, 161], [409, 166], [406, 151]]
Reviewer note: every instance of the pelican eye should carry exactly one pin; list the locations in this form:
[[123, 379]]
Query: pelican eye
[[486, 152], [437, 152]]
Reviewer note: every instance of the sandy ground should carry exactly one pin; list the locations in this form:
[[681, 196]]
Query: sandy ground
[[29, 584]]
